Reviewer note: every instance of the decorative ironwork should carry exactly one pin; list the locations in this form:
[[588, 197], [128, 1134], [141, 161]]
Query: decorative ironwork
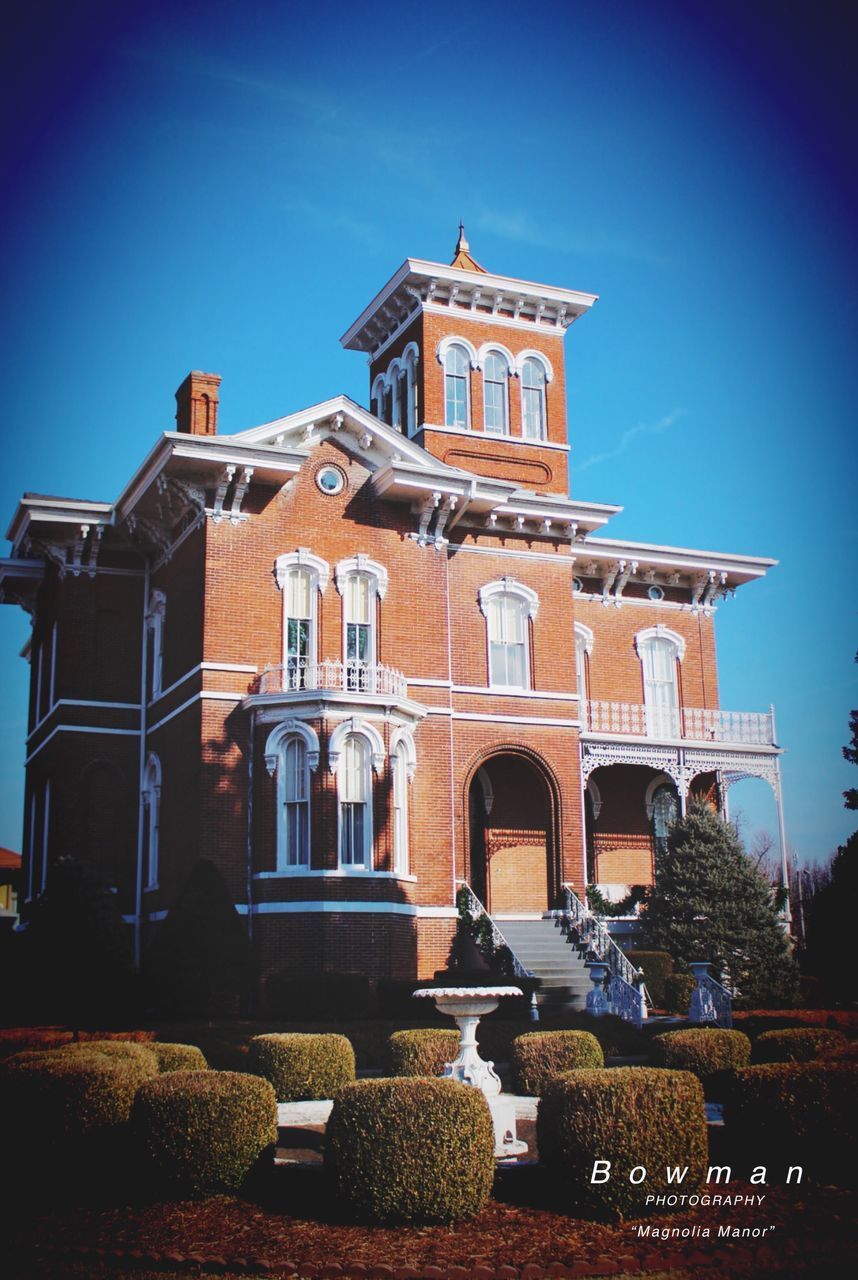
[[626, 995], [477, 911], [348, 677], [697, 724], [710, 1001]]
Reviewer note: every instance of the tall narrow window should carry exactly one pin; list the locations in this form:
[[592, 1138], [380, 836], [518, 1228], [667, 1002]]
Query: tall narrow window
[[456, 365], [495, 394], [151, 798], [355, 793], [533, 400], [659, 653], [583, 648], [359, 608], [155, 617], [46, 833], [507, 620], [293, 846], [664, 812], [297, 628]]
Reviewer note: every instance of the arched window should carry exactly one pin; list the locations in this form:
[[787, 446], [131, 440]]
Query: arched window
[[507, 605], [583, 649], [292, 754], [300, 576], [155, 616], [403, 761], [533, 400], [665, 807], [297, 627], [359, 580], [495, 394], [659, 651], [410, 356], [293, 844], [456, 397], [354, 782], [152, 818]]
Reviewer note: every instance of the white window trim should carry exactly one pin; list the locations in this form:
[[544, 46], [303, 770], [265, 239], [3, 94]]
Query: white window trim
[[509, 586], [377, 575], [155, 615], [274, 750], [443, 350], [403, 760], [410, 360], [584, 641], [320, 572], [659, 781], [151, 799], [660, 632], [46, 831], [360, 728], [495, 349], [379, 386], [540, 356], [355, 728]]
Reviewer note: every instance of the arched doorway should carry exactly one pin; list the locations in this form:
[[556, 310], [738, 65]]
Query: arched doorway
[[511, 828]]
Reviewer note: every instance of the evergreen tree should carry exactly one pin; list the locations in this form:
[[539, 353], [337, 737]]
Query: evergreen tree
[[850, 753], [711, 903]]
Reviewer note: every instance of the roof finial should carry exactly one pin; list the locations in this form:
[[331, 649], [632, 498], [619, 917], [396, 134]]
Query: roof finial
[[462, 246]]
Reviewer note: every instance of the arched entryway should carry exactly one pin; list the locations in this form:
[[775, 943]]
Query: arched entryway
[[512, 843]]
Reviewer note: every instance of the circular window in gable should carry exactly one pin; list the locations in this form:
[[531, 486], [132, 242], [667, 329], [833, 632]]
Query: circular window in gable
[[330, 479], [656, 593]]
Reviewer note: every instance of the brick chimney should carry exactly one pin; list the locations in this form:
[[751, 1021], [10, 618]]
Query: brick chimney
[[196, 404]]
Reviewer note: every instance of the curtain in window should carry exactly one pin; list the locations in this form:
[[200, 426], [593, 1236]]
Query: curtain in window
[[295, 800], [354, 788], [297, 604], [660, 692], [507, 634]]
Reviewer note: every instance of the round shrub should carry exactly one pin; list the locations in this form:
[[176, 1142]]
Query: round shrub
[[538, 1056], [114, 1050], [797, 1113], [205, 1130], [178, 1057], [424, 1052], [677, 993], [709, 1052], [796, 1044], [629, 1116], [410, 1150], [303, 1067]]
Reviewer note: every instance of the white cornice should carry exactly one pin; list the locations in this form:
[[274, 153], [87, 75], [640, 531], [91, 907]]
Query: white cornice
[[503, 438], [739, 568]]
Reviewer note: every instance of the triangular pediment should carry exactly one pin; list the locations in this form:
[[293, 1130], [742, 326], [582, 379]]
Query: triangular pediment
[[354, 428]]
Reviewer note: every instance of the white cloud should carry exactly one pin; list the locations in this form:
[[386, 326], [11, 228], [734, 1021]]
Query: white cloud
[[630, 435]]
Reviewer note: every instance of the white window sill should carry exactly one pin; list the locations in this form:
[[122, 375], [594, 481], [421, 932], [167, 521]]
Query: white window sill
[[310, 873]]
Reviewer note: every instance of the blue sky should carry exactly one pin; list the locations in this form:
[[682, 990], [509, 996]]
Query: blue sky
[[224, 186]]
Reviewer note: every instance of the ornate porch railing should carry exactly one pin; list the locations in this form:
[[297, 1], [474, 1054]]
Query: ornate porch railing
[[698, 724], [625, 994], [477, 911], [710, 1001], [330, 673]]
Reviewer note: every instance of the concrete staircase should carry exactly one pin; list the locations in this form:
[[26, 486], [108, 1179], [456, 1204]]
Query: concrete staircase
[[544, 949]]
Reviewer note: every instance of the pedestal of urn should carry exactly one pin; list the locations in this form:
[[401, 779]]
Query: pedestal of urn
[[466, 1005]]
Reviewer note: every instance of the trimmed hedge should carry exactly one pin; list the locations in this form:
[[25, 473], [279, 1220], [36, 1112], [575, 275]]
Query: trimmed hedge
[[797, 1113], [178, 1057], [657, 968], [709, 1052], [205, 1130], [114, 1051], [677, 993], [410, 1150], [422, 1052], [630, 1116], [303, 1067], [796, 1044], [538, 1056]]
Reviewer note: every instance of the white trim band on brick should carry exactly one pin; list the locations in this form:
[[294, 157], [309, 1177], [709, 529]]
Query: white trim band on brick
[[79, 728], [342, 873], [366, 908], [210, 695], [477, 715], [242, 668]]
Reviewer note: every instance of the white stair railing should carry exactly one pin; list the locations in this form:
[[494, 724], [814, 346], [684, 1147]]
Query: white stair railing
[[625, 994], [477, 911]]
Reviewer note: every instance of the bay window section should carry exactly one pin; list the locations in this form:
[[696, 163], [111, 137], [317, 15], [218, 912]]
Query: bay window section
[[297, 628], [294, 782], [359, 608]]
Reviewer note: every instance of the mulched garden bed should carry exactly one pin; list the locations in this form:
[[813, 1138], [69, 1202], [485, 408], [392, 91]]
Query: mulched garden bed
[[291, 1230]]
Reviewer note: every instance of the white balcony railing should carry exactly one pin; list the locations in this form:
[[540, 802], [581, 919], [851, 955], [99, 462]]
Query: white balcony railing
[[346, 677], [698, 724]]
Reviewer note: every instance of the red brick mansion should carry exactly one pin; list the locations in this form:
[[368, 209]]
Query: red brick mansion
[[356, 657]]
